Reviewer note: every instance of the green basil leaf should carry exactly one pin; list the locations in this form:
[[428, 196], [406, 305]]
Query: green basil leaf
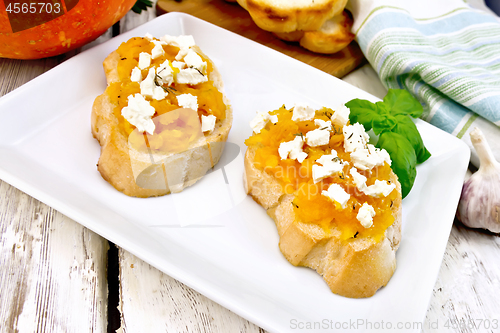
[[363, 112], [400, 101], [385, 121], [404, 160], [391, 121], [406, 127]]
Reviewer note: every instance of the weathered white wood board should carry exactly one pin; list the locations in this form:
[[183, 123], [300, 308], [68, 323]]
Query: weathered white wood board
[[466, 297], [152, 301], [52, 270]]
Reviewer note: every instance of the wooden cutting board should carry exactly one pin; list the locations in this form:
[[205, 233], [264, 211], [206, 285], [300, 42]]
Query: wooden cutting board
[[232, 17]]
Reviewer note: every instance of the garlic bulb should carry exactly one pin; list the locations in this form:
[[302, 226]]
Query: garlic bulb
[[479, 205]]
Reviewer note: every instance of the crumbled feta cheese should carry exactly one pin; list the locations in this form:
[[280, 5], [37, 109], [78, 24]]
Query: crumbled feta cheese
[[179, 64], [359, 179], [301, 157], [207, 123], [157, 50], [382, 154], [148, 84], [317, 137], [190, 76], [183, 51], [341, 115], [159, 93], [329, 166], [183, 41], [364, 156], [327, 125], [192, 59], [362, 159], [148, 36], [367, 159], [292, 149], [302, 112], [355, 137], [259, 122], [165, 73], [365, 215], [321, 172], [337, 193], [144, 60], [188, 101], [138, 112], [380, 188], [136, 75], [273, 118], [325, 159]]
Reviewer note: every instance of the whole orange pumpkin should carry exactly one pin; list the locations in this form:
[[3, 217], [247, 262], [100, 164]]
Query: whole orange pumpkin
[[32, 29]]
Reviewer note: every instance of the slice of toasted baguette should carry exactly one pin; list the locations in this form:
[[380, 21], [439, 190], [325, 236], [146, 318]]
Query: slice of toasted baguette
[[292, 36], [291, 15], [333, 36], [354, 268], [329, 234], [140, 174]]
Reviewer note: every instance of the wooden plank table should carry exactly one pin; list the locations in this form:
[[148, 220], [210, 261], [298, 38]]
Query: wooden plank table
[[52, 269], [55, 274]]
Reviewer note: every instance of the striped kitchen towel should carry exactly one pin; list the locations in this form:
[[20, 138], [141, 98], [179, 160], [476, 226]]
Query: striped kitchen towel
[[445, 52]]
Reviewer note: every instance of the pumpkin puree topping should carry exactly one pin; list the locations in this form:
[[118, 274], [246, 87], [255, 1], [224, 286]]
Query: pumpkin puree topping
[[174, 130], [296, 178]]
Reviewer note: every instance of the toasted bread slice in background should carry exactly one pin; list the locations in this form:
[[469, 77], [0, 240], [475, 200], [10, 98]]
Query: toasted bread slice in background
[[334, 35], [131, 171], [355, 268], [292, 36], [292, 15]]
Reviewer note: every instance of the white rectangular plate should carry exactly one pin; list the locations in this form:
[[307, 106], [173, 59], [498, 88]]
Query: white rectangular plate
[[226, 248]]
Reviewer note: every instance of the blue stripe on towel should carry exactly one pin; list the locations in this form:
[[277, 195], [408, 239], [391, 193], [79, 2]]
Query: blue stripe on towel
[[445, 25], [449, 116]]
